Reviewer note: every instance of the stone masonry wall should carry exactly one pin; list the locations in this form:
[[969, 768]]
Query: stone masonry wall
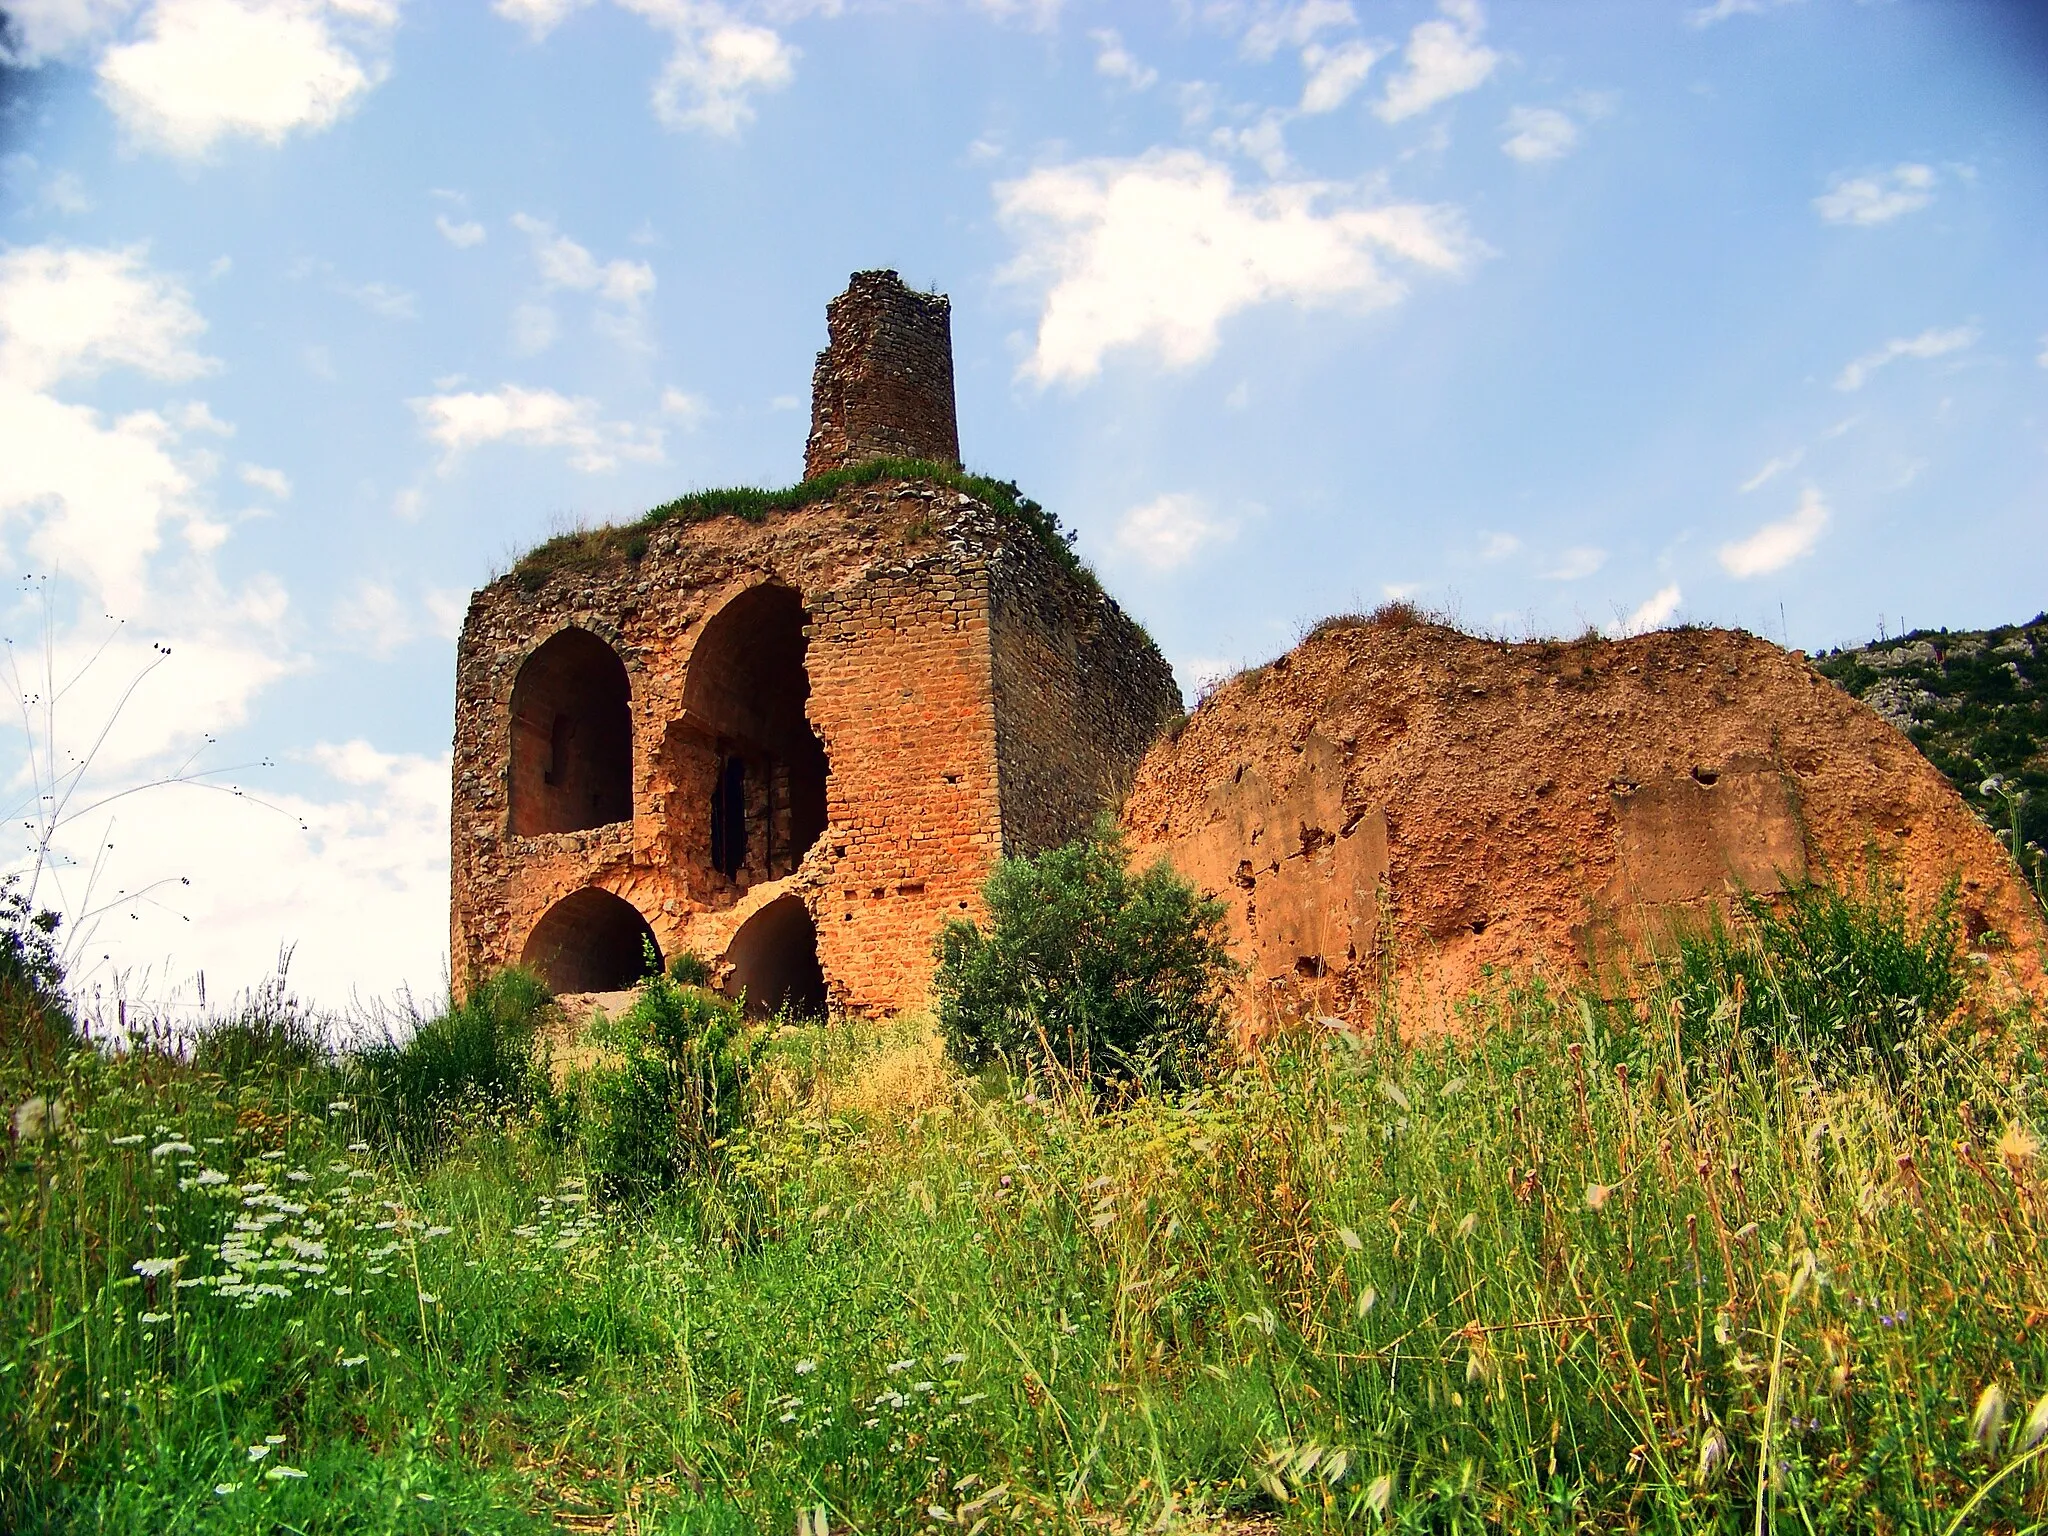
[[1080, 693], [883, 387]]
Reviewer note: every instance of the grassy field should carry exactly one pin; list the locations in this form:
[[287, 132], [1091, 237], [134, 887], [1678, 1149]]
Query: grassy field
[[1575, 1270]]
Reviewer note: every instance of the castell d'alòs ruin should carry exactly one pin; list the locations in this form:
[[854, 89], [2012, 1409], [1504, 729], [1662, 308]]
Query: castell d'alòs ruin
[[792, 735]]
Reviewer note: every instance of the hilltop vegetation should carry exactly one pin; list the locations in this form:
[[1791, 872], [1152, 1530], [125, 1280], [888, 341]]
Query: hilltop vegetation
[[1674, 1263], [1973, 701]]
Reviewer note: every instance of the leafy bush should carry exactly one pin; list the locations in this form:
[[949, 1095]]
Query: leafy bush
[[690, 968], [1108, 974], [478, 1057], [663, 1109], [271, 1033], [1843, 976], [35, 1018]]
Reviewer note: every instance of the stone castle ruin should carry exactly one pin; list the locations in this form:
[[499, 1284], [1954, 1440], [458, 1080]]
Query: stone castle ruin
[[791, 746], [793, 735]]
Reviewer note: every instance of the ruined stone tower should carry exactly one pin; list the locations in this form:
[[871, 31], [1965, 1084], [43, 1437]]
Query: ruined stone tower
[[793, 743]]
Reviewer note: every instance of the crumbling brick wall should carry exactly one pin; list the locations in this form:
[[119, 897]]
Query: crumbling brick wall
[[1080, 694], [883, 387]]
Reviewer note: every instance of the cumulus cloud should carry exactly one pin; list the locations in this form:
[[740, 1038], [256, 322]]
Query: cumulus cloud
[[1274, 27], [1498, 546], [194, 72], [1335, 74], [565, 264], [1776, 545], [539, 17], [1116, 62], [275, 481], [1656, 611], [1575, 564], [688, 409], [534, 418], [1156, 253], [715, 67], [460, 233], [1444, 58], [1539, 133], [1929, 343], [1168, 531], [375, 618], [1877, 199]]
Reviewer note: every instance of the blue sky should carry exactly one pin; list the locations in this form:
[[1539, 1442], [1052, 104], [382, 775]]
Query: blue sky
[[313, 313]]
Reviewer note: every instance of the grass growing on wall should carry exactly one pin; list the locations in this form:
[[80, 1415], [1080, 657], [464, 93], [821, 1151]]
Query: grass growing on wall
[[588, 549], [1564, 1273]]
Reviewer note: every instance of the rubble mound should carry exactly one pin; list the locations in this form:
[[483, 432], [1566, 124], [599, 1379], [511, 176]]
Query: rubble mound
[[1397, 805]]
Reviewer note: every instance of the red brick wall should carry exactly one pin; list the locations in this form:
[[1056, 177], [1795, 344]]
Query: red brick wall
[[883, 387]]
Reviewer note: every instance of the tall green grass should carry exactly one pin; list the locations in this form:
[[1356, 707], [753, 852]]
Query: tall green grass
[[1574, 1269]]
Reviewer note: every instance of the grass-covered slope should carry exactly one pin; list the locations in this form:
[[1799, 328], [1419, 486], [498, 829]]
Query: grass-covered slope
[[590, 548], [1583, 1268], [1976, 702]]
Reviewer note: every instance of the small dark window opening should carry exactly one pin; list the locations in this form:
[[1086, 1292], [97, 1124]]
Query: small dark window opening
[[591, 941], [571, 744], [729, 818]]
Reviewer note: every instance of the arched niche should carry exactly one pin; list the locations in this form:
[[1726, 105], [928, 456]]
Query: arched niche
[[572, 737], [746, 770], [591, 941], [774, 959]]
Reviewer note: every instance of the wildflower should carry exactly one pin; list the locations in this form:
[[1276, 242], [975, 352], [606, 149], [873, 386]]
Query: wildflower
[[151, 1319], [2035, 1430], [205, 1178], [430, 1299], [258, 1452], [340, 1107], [359, 1146], [2018, 1146], [1713, 1457], [134, 1140], [1987, 1422], [438, 1231], [896, 1367], [35, 1118], [222, 1490], [273, 1439], [805, 1367], [165, 1149], [352, 1361], [280, 1472], [1597, 1196], [149, 1269], [1379, 1494], [300, 1176], [958, 1357]]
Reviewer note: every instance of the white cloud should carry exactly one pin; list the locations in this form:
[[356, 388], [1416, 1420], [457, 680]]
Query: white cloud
[[1335, 74], [447, 607], [689, 409], [1721, 10], [1539, 133], [1776, 545], [534, 329], [275, 481], [1877, 199], [1576, 564], [1771, 470], [1264, 142], [199, 71], [1499, 546], [1445, 58], [1294, 26], [716, 67], [1169, 531], [461, 235], [565, 264], [1116, 62], [1929, 343], [1157, 252], [2042, 358], [1656, 611], [535, 418], [392, 303], [72, 313], [372, 617], [539, 17]]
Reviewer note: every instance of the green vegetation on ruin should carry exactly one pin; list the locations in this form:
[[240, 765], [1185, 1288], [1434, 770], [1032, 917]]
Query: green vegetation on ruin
[[1973, 701], [1674, 1262], [594, 548]]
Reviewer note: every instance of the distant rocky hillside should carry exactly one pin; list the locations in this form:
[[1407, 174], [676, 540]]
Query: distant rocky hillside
[[1975, 702]]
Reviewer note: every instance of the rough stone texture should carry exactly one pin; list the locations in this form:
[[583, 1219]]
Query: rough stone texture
[[883, 387], [1396, 807], [907, 593]]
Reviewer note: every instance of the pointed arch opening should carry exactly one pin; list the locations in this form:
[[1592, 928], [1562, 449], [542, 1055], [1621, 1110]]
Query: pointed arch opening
[[591, 941], [774, 959], [572, 737], [747, 771]]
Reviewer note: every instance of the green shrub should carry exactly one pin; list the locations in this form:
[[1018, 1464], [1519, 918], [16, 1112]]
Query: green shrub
[[1108, 974], [476, 1058], [270, 1034], [1843, 976], [35, 1018], [690, 968], [663, 1109]]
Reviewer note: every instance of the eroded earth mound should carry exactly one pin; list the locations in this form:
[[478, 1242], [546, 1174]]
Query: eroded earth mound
[[1394, 804]]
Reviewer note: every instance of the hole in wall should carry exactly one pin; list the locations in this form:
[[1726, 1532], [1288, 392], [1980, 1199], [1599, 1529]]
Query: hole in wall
[[747, 772], [572, 737], [591, 941], [774, 959]]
